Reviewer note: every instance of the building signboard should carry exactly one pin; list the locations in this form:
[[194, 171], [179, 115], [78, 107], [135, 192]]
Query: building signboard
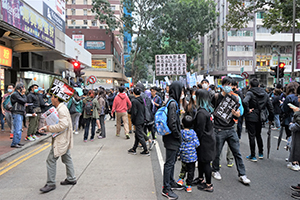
[[99, 64], [53, 17], [100, 45], [5, 56], [172, 64], [79, 39], [21, 16]]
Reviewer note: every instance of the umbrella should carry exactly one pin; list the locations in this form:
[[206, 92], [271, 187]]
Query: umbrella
[[236, 77], [79, 90], [279, 137], [269, 141]]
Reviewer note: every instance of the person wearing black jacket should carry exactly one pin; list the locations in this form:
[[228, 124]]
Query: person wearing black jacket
[[172, 141], [240, 120], [110, 99], [18, 101], [277, 110], [255, 100], [137, 117]]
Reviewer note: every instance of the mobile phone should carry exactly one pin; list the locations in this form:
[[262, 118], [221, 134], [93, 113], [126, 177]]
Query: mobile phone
[[291, 105]]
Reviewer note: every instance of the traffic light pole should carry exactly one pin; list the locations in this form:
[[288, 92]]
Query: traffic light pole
[[277, 77]]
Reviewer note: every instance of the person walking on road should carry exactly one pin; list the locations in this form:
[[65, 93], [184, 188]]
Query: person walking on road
[[101, 100], [137, 117], [188, 152], [90, 114], [6, 109], [61, 145], [18, 102], [121, 105], [226, 132], [255, 101], [172, 141], [206, 152]]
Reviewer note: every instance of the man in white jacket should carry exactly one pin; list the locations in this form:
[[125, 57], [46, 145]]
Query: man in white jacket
[[60, 146]]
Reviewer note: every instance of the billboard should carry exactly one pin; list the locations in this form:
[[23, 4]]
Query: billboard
[[53, 17], [5, 56], [99, 64], [21, 16], [100, 45], [172, 64], [79, 39]]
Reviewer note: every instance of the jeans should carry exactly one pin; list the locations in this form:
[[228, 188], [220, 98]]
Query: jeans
[[87, 128], [168, 177], [277, 121], [17, 121], [9, 120], [254, 131], [102, 118], [139, 137], [240, 126], [51, 167], [75, 120], [231, 137], [2, 121]]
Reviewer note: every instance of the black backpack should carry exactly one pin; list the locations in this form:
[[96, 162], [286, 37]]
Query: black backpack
[[88, 107], [149, 117]]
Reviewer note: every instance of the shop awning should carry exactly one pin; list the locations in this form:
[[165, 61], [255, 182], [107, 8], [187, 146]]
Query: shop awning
[[106, 75]]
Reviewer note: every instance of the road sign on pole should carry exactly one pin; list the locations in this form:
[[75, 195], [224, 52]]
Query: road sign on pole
[[92, 79]]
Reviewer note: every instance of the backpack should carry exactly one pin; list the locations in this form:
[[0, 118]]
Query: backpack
[[263, 111], [161, 119], [148, 113], [106, 109], [88, 107], [7, 103]]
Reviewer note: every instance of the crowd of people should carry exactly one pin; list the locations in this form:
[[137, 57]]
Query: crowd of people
[[197, 133]]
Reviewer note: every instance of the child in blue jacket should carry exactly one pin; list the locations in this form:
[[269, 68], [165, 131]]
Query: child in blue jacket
[[188, 153]]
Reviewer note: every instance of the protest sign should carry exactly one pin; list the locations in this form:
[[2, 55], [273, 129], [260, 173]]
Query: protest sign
[[51, 117], [61, 90], [224, 109], [171, 64]]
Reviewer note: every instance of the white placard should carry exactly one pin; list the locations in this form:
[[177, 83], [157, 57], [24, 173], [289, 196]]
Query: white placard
[[172, 64]]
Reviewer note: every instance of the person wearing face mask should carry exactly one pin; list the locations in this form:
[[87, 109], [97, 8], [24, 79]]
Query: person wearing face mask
[[34, 108], [6, 109], [182, 104], [191, 107], [226, 132], [205, 84]]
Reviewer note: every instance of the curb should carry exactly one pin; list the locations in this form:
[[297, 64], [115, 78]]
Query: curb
[[15, 151]]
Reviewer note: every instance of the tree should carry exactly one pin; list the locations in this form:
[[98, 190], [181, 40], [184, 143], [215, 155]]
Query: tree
[[104, 14], [277, 14]]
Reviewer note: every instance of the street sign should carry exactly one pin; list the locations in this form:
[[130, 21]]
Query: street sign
[[92, 79], [245, 75]]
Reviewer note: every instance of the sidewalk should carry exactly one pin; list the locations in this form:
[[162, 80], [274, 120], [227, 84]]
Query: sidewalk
[[5, 149]]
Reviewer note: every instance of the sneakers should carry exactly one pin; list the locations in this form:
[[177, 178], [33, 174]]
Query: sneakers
[[169, 194], [296, 195], [217, 175], [132, 151], [152, 145], [260, 156], [230, 164], [253, 159], [294, 167], [100, 137], [11, 136], [180, 182], [29, 138], [76, 132], [206, 188], [244, 179], [127, 137], [188, 188], [84, 140], [118, 135], [146, 153], [295, 188], [175, 186], [47, 188], [35, 137], [276, 129]]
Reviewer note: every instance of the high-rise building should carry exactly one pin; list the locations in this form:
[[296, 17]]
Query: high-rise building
[[106, 47], [253, 48]]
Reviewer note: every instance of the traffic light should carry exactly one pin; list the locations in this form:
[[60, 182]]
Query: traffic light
[[77, 68], [281, 69], [274, 71]]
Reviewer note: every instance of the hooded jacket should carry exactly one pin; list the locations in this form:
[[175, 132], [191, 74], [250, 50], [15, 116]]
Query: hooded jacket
[[258, 99], [188, 146], [137, 111], [121, 103], [78, 104], [173, 140]]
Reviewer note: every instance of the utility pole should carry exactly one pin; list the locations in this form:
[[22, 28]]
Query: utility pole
[[293, 44], [277, 77]]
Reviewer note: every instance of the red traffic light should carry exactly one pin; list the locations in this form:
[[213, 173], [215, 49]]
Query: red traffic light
[[76, 64], [281, 65]]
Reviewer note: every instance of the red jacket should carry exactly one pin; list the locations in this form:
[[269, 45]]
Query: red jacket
[[121, 103]]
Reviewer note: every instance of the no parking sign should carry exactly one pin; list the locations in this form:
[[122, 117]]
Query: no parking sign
[[92, 79]]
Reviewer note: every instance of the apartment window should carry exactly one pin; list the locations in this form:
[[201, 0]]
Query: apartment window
[[73, 11], [101, 27], [233, 62], [240, 48], [74, 2], [113, 7], [73, 22], [84, 2], [261, 29], [85, 22], [260, 14], [240, 33], [85, 12], [94, 23], [247, 62]]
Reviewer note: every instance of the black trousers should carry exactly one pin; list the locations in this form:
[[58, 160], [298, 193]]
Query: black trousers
[[205, 168], [139, 137], [189, 169], [254, 132]]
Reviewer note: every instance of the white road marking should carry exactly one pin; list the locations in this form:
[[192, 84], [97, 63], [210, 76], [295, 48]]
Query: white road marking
[[276, 137], [160, 158]]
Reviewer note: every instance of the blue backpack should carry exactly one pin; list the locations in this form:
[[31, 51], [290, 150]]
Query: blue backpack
[[161, 119]]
